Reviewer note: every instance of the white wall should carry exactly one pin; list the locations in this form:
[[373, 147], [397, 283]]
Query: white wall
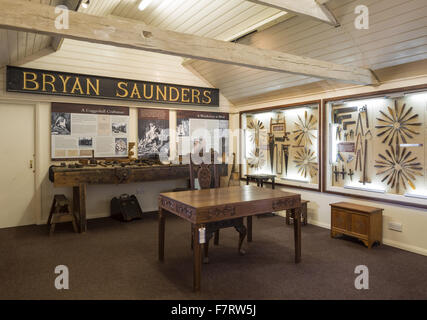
[[414, 220]]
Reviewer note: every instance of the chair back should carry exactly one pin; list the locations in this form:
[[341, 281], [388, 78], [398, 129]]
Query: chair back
[[207, 174]]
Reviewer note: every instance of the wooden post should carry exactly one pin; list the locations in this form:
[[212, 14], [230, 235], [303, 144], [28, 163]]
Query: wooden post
[[79, 205], [249, 226], [161, 235], [296, 213], [197, 259], [82, 206]]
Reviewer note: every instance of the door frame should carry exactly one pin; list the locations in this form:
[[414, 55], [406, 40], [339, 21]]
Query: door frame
[[36, 155]]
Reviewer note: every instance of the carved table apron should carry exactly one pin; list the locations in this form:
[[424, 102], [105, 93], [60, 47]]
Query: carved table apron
[[200, 207]]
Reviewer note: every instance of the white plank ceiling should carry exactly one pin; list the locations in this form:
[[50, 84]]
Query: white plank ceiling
[[15, 46], [219, 19], [397, 34]]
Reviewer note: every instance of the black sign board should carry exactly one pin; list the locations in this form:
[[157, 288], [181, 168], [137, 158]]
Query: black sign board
[[78, 85]]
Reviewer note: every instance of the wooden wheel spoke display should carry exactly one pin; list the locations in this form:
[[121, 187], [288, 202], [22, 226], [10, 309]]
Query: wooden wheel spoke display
[[256, 157], [398, 168], [305, 161], [303, 133], [398, 125]]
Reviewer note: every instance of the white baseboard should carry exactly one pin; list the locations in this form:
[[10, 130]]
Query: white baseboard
[[391, 243], [405, 247]]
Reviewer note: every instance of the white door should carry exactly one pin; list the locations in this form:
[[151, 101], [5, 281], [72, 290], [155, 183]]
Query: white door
[[17, 194]]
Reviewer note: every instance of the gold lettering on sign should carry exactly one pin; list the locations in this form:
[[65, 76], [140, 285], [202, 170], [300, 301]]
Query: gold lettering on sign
[[90, 85], [135, 91], [64, 82], [207, 95], [121, 86], [51, 82], [33, 80], [77, 86], [171, 99], [161, 93], [195, 94], [185, 92], [145, 92]]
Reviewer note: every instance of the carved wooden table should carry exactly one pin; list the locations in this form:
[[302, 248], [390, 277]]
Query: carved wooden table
[[214, 205]]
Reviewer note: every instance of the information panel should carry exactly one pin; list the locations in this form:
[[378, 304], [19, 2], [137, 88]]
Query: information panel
[[79, 130]]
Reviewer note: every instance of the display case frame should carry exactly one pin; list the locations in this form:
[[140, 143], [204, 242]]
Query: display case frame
[[325, 142], [319, 140]]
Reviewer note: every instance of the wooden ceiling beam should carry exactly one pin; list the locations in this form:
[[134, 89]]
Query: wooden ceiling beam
[[57, 41], [38, 18], [312, 8]]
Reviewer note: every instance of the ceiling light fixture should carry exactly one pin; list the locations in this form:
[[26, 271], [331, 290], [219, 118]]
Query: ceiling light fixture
[[85, 4], [144, 4]]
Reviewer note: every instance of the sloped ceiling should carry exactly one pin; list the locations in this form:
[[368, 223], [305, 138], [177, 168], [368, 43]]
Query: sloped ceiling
[[397, 34]]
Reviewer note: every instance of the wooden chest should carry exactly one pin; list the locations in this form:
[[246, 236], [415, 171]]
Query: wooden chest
[[362, 222]]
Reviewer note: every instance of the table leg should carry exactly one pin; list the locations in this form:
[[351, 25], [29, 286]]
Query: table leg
[[273, 183], [197, 259], [247, 180], [296, 213], [79, 205], [249, 227], [161, 235], [216, 238]]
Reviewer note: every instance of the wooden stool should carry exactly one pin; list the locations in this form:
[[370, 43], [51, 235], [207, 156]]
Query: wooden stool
[[303, 213], [60, 212]]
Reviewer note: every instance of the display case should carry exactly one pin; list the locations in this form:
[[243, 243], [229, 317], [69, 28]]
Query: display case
[[376, 146], [284, 142]]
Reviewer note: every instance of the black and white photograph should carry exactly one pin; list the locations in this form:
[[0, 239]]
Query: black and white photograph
[[86, 142], [60, 123], [154, 138], [153, 133], [183, 127], [119, 128], [121, 146]]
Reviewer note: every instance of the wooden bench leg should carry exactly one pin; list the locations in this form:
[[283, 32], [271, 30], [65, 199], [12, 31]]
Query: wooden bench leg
[[206, 252], [249, 228], [197, 259], [304, 213], [288, 217], [161, 235], [52, 229], [79, 205], [216, 238]]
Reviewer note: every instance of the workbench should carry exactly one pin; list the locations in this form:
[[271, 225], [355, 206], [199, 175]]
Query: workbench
[[79, 178]]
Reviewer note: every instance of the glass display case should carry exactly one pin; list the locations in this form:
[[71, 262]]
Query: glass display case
[[283, 141], [376, 147]]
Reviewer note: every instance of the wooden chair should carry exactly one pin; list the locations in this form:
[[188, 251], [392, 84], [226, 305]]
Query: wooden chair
[[60, 212], [208, 177]]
